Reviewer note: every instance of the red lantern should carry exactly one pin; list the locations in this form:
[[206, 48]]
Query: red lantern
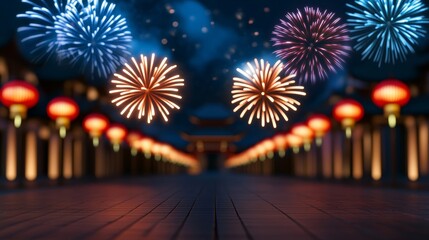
[[116, 133], [306, 133], [280, 144], [18, 96], [294, 141], [133, 139], [348, 112], [63, 110], [95, 124], [391, 95], [320, 124]]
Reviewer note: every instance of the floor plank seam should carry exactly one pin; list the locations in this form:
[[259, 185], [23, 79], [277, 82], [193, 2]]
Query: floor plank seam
[[248, 235], [177, 232]]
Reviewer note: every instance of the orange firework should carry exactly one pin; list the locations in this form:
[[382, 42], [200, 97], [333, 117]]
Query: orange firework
[[265, 93], [147, 88]]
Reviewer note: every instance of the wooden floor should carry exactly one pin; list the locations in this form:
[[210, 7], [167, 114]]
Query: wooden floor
[[213, 207]]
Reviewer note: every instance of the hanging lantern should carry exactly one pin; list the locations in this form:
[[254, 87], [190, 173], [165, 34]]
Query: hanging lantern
[[95, 124], [280, 144], [116, 133], [18, 96], [269, 147], [145, 145], [306, 133], [62, 110], [391, 95], [133, 139], [294, 142], [348, 112], [320, 124]]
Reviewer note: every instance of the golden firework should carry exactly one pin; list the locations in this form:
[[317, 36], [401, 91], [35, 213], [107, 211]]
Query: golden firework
[[264, 93], [147, 88]]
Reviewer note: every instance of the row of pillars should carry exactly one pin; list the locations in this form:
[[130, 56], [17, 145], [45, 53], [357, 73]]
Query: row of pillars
[[34, 152], [375, 153]]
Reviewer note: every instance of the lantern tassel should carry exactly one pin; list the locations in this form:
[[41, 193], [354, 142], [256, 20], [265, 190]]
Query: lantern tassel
[[391, 120], [295, 150], [307, 146], [348, 132], [116, 147], [134, 152], [319, 141], [17, 121], [95, 141], [63, 132]]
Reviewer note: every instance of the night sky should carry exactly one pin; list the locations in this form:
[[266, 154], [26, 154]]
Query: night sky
[[208, 40]]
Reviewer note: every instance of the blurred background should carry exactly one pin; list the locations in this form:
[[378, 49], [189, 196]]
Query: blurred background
[[208, 40]]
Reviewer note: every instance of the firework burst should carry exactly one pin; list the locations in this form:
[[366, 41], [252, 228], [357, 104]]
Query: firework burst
[[313, 43], [93, 36], [264, 93], [40, 32], [387, 30], [147, 88]]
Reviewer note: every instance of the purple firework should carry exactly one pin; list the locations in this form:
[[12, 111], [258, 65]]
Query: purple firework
[[312, 43]]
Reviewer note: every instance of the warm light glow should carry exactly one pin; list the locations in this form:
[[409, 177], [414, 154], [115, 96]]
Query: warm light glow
[[62, 107], [95, 124], [391, 91], [19, 92], [265, 93], [357, 154], [348, 109], [146, 146], [54, 158], [412, 154], [320, 124], [116, 133], [390, 95], [423, 149], [301, 130], [18, 96], [280, 144], [338, 156], [11, 158], [62, 110], [293, 140], [306, 133], [31, 156], [147, 87], [348, 112], [376, 167], [133, 139]]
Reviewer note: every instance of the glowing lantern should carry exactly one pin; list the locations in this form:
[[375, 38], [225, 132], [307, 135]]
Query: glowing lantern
[[95, 124], [116, 133], [320, 124], [18, 96], [281, 144], [62, 110], [294, 141], [348, 112], [269, 147], [133, 139], [391, 95], [306, 133], [146, 146]]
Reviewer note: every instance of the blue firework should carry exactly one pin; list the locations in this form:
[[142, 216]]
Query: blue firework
[[39, 33], [387, 30], [94, 37]]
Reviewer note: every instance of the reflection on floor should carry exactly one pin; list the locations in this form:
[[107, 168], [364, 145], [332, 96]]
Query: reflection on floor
[[214, 207]]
